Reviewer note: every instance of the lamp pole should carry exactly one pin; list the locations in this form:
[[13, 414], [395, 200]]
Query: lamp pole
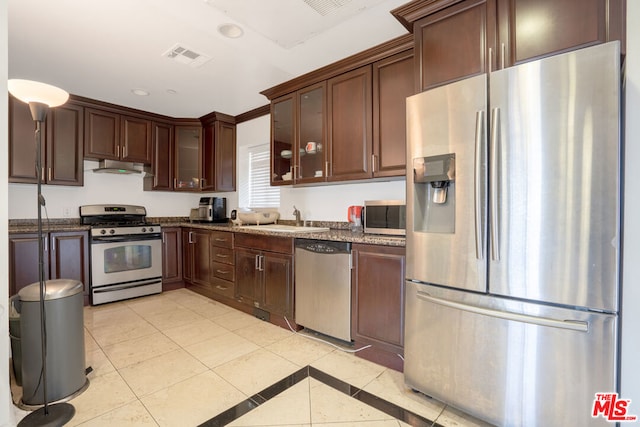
[[40, 98]]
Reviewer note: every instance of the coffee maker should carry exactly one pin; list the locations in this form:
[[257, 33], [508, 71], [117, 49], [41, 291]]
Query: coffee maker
[[212, 209]]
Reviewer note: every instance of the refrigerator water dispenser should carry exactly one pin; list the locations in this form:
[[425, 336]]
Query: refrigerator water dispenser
[[434, 193]]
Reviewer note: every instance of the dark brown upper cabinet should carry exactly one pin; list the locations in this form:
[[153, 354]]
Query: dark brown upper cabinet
[[62, 145], [310, 148], [283, 138], [392, 84], [219, 152], [110, 135], [345, 121], [163, 148], [456, 39], [349, 125], [188, 173]]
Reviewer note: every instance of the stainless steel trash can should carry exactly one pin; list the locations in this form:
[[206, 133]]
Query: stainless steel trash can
[[63, 302], [14, 335]]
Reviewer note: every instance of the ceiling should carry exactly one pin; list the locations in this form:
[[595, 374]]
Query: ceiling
[[105, 49]]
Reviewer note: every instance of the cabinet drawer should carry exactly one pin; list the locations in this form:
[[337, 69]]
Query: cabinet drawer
[[223, 287], [282, 245], [223, 271], [222, 239], [223, 255]]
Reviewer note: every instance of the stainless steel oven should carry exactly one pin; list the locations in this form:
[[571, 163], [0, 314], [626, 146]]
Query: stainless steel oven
[[126, 252]]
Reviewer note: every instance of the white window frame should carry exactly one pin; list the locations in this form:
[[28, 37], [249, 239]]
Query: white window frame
[[255, 190]]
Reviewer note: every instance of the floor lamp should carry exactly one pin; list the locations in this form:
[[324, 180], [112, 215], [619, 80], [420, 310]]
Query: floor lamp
[[41, 97]]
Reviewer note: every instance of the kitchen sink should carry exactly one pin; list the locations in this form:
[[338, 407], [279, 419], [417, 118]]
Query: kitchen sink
[[282, 228]]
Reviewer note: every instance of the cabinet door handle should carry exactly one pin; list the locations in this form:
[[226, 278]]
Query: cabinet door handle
[[117, 151], [326, 167], [175, 182], [257, 262], [502, 56], [124, 151], [45, 244], [49, 174], [191, 237], [202, 181], [373, 163], [261, 262]]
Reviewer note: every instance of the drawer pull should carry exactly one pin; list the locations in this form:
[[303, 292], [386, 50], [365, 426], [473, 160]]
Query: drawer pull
[[223, 271], [218, 239], [222, 288], [222, 256]]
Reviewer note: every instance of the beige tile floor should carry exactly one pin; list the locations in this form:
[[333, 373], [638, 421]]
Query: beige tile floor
[[179, 359]]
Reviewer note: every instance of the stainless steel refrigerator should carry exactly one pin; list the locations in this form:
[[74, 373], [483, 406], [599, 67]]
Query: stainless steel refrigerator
[[513, 240]]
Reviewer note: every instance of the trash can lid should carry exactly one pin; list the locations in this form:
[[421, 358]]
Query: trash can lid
[[54, 289]]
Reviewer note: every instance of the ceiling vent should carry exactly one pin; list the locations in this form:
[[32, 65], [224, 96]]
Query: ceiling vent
[[187, 56], [325, 7]]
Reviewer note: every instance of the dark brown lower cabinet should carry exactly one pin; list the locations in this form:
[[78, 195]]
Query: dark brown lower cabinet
[[264, 273], [222, 264], [378, 303], [66, 256], [171, 258], [196, 266]]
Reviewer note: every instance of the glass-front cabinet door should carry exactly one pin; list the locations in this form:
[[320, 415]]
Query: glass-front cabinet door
[[310, 163], [283, 116], [187, 165]]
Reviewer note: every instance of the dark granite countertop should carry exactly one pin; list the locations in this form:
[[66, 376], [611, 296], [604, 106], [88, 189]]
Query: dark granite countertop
[[31, 225], [337, 231]]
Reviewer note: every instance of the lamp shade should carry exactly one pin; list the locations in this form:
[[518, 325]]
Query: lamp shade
[[29, 91]]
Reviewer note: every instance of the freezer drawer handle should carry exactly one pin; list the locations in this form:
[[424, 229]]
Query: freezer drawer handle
[[574, 325]]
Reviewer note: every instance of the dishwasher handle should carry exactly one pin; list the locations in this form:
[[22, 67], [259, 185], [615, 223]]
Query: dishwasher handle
[[326, 247]]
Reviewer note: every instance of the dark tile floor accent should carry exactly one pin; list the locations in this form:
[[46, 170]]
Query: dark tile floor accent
[[256, 400]]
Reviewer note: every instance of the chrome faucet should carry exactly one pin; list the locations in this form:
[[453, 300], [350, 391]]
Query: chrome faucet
[[296, 213]]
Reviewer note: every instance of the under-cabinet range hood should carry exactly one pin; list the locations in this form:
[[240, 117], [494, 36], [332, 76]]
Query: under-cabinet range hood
[[123, 168]]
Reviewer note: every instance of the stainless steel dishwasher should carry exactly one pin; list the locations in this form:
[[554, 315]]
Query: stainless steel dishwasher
[[323, 287]]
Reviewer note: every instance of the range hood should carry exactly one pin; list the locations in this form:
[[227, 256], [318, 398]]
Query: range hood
[[122, 168]]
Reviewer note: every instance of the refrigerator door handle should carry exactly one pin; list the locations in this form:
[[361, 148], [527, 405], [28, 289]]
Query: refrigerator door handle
[[479, 183], [495, 141], [574, 325]]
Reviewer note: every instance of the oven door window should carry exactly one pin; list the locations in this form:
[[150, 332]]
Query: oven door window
[[127, 258], [119, 262]]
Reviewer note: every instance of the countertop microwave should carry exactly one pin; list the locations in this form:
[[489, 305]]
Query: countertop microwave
[[385, 217]]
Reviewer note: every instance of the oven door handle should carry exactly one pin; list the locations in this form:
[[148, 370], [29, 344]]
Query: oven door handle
[[117, 239], [113, 288]]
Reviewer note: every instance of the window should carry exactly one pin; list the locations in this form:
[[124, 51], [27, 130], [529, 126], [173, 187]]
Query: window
[[255, 190]]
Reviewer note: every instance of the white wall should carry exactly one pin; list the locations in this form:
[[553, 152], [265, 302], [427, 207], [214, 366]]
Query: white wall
[[6, 407], [99, 188], [630, 372]]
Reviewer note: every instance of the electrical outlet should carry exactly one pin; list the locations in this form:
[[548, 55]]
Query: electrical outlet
[[66, 212]]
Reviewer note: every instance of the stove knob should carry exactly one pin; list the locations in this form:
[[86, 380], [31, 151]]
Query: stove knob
[[112, 231], [144, 230], [103, 231], [150, 229]]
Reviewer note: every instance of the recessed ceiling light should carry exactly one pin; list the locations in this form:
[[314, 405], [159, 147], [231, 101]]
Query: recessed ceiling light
[[230, 30], [140, 92]]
